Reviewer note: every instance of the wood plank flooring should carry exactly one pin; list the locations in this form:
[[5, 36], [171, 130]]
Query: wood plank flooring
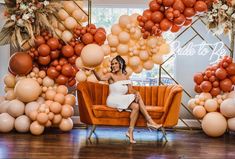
[[112, 144]]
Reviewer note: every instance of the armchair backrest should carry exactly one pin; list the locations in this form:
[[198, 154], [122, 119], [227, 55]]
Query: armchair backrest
[[151, 95]]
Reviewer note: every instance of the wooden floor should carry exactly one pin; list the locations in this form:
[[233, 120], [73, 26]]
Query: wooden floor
[[112, 144]]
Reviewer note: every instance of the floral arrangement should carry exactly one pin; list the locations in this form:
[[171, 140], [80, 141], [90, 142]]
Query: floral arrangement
[[26, 18], [221, 16]]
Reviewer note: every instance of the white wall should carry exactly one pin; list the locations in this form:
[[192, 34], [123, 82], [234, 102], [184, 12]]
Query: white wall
[[4, 56]]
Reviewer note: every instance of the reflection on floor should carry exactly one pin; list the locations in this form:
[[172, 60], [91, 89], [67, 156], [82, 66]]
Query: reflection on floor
[[110, 143]]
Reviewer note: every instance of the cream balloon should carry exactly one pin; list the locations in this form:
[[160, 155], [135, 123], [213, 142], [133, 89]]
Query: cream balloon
[[124, 37], [15, 108], [66, 36], [191, 103], [62, 89], [205, 96], [157, 59], [92, 55], [124, 20], [122, 49], [6, 122], [79, 63], [164, 49], [211, 105], [214, 124], [10, 95], [81, 76], [106, 48], [148, 65], [227, 108], [4, 106], [61, 27], [66, 124], [143, 54], [231, 124], [116, 29], [63, 14], [30, 107], [67, 111], [78, 14], [199, 111], [113, 40], [70, 6], [48, 82], [231, 94], [70, 23], [9, 80], [70, 99], [133, 18], [152, 42], [36, 128], [22, 124], [138, 69], [134, 61], [137, 35]]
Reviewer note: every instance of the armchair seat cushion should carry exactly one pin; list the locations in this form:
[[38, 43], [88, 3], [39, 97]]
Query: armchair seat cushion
[[103, 111]]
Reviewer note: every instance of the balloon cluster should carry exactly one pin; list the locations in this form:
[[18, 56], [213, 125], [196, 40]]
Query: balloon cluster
[[216, 78], [217, 113], [164, 15], [70, 17], [33, 102]]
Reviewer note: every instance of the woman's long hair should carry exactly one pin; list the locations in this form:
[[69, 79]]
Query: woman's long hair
[[122, 64]]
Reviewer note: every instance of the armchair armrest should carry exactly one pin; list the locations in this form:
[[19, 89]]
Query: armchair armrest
[[172, 106], [85, 103]]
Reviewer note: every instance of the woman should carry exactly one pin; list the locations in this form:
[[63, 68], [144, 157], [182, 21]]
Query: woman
[[122, 96]]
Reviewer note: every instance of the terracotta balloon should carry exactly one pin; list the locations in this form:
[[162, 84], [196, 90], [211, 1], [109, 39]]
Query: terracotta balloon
[[39, 40], [78, 49], [221, 73], [67, 70], [231, 69], [232, 78], [206, 86], [53, 43], [165, 25], [148, 25], [189, 3], [87, 38], [52, 72], [147, 14], [168, 3], [175, 28], [99, 37], [198, 78], [180, 20], [67, 51], [44, 50], [154, 6], [61, 79], [187, 22], [178, 5], [189, 12], [215, 91], [157, 17], [44, 60], [21, 63], [197, 89], [200, 6], [226, 85]]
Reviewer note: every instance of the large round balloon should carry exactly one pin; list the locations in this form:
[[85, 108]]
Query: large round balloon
[[206, 86], [214, 124], [22, 124], [92, 55], [227, 108], [27, 90], [6, 122], [21, 63]]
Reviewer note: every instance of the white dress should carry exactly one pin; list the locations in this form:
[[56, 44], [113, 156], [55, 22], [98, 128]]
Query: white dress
[[117, 97]]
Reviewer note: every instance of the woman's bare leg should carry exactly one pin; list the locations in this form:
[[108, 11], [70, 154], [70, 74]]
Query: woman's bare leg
[[133, 118], [145, 113]]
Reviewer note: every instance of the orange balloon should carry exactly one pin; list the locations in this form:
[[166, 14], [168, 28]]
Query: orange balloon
[[200, 6], [179, 5], [180, 20], [175, 28], [187, 22], [168, 3], [215, 91], [206, 86], [189, 12], [189, 3], [165, 25], [226, 85], [157, 17]]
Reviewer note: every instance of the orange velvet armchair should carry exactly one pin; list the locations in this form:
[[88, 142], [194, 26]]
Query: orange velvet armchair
[[162, 103]]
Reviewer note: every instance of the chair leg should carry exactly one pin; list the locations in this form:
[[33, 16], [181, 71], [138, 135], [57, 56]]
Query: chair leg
[[164, 133], [92, 131]]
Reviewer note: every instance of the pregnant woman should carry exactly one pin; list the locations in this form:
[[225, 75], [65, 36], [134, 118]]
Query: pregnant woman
[[123, 97]]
